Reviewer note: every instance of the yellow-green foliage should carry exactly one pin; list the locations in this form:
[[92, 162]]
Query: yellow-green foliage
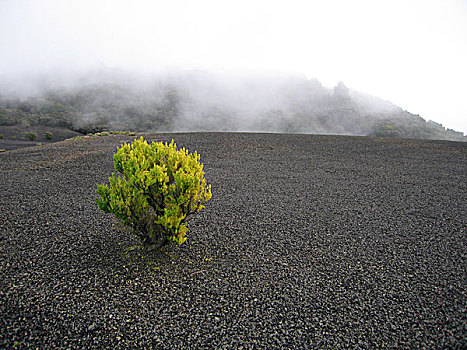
[[159, 188]]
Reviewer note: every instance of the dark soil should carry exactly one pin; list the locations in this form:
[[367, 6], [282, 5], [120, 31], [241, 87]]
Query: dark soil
[[308, 242], [16, 136]]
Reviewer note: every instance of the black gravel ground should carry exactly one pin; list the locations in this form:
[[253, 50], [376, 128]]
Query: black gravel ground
[[308, 242]]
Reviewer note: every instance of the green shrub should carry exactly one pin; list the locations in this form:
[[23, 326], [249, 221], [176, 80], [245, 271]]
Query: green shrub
[[30, 135], [48, 135], [159, 189], [1, 136], [13, 137], [102, 133]]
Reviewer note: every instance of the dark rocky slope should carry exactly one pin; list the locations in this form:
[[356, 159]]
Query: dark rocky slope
[[308, 242], [18, 136]]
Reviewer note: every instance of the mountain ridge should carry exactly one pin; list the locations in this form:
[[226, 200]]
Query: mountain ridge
[[201, 101]]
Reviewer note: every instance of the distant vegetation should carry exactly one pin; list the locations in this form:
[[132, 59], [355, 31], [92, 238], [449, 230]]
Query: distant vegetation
[[30, 135], [198, 101]]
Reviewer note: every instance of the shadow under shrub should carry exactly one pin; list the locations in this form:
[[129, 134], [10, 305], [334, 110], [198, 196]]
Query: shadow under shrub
[[159, 189]]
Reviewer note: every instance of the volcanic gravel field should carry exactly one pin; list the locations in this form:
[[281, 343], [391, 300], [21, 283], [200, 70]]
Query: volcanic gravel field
[[308, 242]]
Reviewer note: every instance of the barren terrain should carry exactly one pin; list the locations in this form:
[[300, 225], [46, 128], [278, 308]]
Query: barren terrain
[[308, 242]]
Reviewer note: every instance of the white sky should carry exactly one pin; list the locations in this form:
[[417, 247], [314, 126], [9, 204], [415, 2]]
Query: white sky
[[411, 52]]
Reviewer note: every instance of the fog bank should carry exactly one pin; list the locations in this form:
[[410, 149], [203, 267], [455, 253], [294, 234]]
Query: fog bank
[[195, 100]]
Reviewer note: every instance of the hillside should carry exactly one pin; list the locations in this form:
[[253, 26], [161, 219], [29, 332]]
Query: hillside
[[308, 242], [199, 101]]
